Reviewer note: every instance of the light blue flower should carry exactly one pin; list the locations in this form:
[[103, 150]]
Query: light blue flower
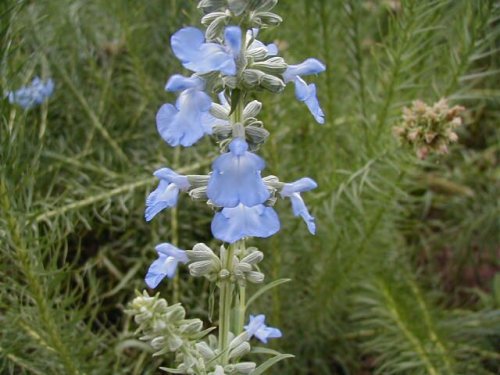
[[272, 49], [169, 258], [167, 192], [256, 327], [292, 190], [34, 94], [233, 224], [190, 48], [304, 92], [236, 177], [188, 121]]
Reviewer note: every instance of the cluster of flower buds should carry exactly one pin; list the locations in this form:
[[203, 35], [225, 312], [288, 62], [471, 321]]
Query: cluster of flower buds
[[33, 94], [167, 330], [430, 129], [164, 327]]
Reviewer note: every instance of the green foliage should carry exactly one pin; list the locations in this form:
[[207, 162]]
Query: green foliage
[[399, 278]]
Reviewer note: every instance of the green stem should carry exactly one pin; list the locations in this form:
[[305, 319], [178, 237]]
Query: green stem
[[225, 302], [174, 225], [240, 309]]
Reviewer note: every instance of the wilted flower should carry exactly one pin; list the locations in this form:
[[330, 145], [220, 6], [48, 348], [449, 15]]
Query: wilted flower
[[292, 190], [236, 177], [233, 224], [167, 192], [304, 92], [429, 128], [256, 327], [169, 258], [33, 94]]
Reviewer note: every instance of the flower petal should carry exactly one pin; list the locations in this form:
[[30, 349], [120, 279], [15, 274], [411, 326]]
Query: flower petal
[[180, 83], [309, 66], [214, 57], [307, 94], [172, 251], [233, 224], [299, 186], [164, 196], [232, 37], [181, 181], [186, 44], [300, 209]]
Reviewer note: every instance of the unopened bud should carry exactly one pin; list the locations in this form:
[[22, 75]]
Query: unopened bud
[[252, 109], [255, 277], [245, 367]]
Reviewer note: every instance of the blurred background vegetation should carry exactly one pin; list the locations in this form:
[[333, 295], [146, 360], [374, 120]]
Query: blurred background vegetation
[[402, 276]]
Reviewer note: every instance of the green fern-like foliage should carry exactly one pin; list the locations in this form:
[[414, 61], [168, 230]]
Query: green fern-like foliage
[[398, 279]]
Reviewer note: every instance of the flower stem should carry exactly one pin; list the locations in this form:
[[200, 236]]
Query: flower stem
[[225, 302]]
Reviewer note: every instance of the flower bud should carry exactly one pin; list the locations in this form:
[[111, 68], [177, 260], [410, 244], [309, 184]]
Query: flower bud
[[252, 109], [219, 111], [211, 5], [198, 180], [158, 343], [265, 19], [174, 342], [272, 83], [176, 313], [243, 267], [254, 257], [191, 327], [215, 29], [245, 367], [201, 268], [199, 193], [255, 277], [205, 350], [273, 65], [266, 5], [240, 350], [257, 54], [211, 17], [238, 340]]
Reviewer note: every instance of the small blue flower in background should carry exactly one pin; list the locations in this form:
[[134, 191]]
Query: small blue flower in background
[[190, 48], [166, 193], [304, 92], [256, 327], [169, 258], [233, 224], [292, 190], [34, 94], [236, 177], [190, 119]]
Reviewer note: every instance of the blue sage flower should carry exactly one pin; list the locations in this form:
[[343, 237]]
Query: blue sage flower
[[257, 327], [190, 119], [304, 92], [292, 190], [167, 192], [236, 177], [202, 57], [169, 258], [34, 94], [271, 49], [233, 224]]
